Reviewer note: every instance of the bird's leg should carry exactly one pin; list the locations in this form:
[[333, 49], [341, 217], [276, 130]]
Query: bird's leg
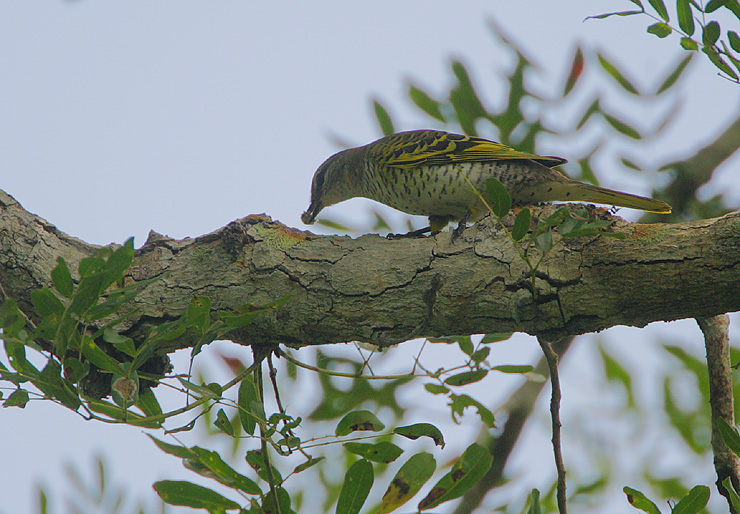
[[461, 226], [413, 233]]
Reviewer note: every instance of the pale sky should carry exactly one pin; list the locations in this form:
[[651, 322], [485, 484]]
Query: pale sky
[[119, 118]]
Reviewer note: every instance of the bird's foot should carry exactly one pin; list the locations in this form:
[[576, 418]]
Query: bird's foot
[[414, 233]]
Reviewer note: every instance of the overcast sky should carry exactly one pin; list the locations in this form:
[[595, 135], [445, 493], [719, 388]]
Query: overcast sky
[[117, 118]]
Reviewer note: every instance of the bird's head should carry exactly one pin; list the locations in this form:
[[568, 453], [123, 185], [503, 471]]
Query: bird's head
[[333, 182]]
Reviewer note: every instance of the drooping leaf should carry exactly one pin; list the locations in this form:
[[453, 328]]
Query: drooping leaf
[[576, 70], [465, 473], [659, 7], [425, 102], [734, 40], [734, 497], [713, 5], [617, 75], [685, 16], [357, 484], [729, 435], [384, 119], [250, 407], [358, 420], [674, 75], [407, 482], [610, 14], [418, 430]]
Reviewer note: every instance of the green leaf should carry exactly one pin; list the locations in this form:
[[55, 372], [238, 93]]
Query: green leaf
[[407, 482], [734, 7], [465, 473], [660, 29], [729, 435], [500, 198], [617, 75], [458, 404], [496, 337], [358, 420], [223, 423], [465, 101], [123, 343], [384, 452], [250, 407], [621, 126], [543, 242], [384, 119], [694, 501], [640, 501], [425, 102], [513, 368], [418, 430], [521, 224], [734, 40], [467, 377], [46, 303], [480, 355], [149, 405], [659, 7], [62, 279], [18, 398], [719, 62], [534, 507], [11, 319], [610, 14], [673, 77], [224, 473], [734, 497], [713, 5], [357, 484], [257, 461], [308, 464], [689, 44], [125, 390], [174, 449], [99, 358], [710, 34], [685, 16], [187, 494], [436, 388]]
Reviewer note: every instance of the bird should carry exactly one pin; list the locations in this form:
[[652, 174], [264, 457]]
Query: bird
[[423, 172]]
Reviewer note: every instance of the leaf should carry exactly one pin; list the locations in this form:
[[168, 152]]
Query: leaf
[[500, 198], [357, 484], [535, 507], [99, 358], [436, 388], [610, 14], [685, 16], [384, 452], [418, 430], [224, 473], [384, 119], [308, 464], [250, 407], [123, 343], [18, 398], [617, 75], [496, 337], [223, 423], [660, 29], [710, 34], [689, 44], [46, 303], [640, 501], [694, 501], [62, 279], [458, 403], [734, 497], [576, 70], [149, 405], [407, 482], [621, 126], [713, 5], [480, 355], [673, 77], [659, 7], [174, 449], [734, 40], [513, 368], [358, 420], [521, 224], [543, 242], [467, 377], [257, 461], [425, 102], [718, 61], [187, 494], [465, 473], [729, 435]]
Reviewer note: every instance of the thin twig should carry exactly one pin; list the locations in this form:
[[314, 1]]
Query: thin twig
[[719, 368], [552, 364], [263, 437]]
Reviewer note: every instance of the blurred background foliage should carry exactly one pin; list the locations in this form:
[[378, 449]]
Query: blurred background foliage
[[533, 113]]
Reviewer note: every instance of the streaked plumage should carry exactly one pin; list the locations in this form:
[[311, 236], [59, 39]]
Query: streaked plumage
[[421, 172]]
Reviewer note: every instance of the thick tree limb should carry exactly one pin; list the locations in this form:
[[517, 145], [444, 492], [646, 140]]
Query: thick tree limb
[[375, 290]]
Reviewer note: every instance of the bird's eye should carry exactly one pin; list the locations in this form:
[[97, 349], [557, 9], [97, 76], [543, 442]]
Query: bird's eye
[[319, 180]]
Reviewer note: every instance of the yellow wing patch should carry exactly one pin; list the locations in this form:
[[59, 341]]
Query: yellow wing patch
[[408, 150]]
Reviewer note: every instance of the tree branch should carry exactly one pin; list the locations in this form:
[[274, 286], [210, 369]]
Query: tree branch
[[376, 290]]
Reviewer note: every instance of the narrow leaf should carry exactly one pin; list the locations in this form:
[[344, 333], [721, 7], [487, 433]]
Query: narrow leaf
[[62, 279], [357, 484], [187, 494], [734, 497], [734, 40], [713, 5], [384, 119], [467, 377], [622, 127], [18, 398], [384, 452], [685, 16], [512, 368], [407, 482], [576, 70], [535, 507], [659, 7], [617, 75], [672, 77], [729, 435], [425, 102], [610, 14]]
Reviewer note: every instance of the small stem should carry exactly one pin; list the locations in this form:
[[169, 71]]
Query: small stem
[[264, 448], [552, 364]]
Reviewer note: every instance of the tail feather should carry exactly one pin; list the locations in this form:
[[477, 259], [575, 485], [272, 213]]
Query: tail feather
[[577, 191]]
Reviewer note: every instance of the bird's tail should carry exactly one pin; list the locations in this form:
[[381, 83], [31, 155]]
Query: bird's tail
[[577, 191]]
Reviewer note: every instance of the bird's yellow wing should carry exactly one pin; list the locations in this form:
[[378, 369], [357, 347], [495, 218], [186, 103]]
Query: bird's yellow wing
[[408, 150]]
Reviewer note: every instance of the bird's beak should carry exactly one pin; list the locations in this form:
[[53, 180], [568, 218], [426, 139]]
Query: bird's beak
[[309, 216]]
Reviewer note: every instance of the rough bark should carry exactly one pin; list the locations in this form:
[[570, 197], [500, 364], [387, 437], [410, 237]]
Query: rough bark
[[385, 291]]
